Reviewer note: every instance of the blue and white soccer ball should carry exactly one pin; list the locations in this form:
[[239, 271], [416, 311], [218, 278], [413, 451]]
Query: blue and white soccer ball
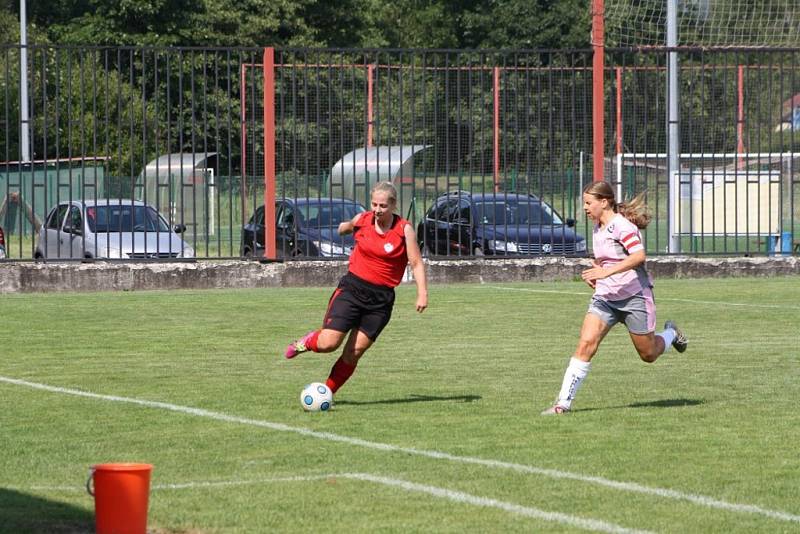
[[316, 397]]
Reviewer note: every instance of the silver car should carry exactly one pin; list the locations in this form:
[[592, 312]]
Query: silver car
[[109, 228]]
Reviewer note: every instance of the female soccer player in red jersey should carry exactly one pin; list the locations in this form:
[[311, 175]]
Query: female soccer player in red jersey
[[363, 301], [623, 290]]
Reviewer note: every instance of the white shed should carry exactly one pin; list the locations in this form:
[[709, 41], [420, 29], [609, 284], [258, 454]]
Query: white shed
[[181, 187], [356, 172]]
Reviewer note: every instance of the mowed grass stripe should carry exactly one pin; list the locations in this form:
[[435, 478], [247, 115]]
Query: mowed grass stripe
[[444, 493], [495, 464]]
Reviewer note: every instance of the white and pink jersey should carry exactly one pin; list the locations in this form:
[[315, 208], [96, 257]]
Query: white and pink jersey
[[611, 245]]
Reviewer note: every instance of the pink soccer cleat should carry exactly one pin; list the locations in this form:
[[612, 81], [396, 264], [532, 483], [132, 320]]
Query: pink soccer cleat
[[298, 347]]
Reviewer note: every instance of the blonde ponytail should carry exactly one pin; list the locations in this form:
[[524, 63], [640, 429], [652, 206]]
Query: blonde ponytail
[[636, 211]]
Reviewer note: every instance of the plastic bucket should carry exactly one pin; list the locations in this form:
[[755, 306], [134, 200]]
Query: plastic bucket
[[121, 493]]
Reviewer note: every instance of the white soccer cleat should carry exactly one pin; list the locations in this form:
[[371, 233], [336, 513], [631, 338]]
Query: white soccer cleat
[[556, 409], [681, 341]]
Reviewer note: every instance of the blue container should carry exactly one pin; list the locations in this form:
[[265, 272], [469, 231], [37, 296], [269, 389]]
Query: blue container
[[786, 242]]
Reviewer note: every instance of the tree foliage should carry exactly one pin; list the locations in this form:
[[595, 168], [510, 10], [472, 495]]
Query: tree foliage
[[344, 23]]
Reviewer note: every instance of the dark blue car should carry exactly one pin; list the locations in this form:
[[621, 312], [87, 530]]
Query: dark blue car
[[477, 224], [303, 227]]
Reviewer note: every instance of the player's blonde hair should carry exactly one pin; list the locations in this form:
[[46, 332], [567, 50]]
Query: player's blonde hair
[[388, 188], [634, 209]]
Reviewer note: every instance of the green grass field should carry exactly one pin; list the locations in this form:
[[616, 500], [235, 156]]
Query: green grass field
[[438, 430]]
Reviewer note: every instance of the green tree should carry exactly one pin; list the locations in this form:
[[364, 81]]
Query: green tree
[[316, 23]]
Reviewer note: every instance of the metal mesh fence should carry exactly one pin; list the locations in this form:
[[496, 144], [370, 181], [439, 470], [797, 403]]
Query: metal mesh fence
[[478, 122], [739, 146], [183, 130]]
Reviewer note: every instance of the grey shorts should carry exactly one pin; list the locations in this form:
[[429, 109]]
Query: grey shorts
[[638, 312]]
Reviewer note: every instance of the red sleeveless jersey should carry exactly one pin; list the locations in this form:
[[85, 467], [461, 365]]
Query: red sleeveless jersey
[[379, 259]]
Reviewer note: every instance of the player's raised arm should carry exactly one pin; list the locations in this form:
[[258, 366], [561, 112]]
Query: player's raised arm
[[347, 227]]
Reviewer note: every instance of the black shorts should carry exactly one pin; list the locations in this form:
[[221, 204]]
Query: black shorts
[[357, 303]]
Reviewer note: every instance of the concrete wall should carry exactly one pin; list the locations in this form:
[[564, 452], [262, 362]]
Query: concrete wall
[[109, 276]]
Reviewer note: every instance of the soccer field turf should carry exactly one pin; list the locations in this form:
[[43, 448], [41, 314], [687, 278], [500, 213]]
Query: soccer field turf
[[437, 431]]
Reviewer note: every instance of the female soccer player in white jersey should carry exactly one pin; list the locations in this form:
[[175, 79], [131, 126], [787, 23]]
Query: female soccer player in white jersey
[[623, 290]]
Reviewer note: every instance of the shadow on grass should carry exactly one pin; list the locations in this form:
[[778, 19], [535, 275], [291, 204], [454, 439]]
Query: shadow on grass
[[22, 512], [667, 403], [663, 403], [414, 398]]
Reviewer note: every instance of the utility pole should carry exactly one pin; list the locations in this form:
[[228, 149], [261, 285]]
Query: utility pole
[[598, 91], [673, 131]]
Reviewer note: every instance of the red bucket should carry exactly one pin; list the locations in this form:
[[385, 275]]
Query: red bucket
[[121, 493]]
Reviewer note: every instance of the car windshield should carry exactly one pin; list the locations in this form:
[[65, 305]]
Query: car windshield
[[124, 218], [516, 213], [325, 214]]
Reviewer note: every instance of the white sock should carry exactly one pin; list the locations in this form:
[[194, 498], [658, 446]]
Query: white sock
[[668, 336], [573, 377]]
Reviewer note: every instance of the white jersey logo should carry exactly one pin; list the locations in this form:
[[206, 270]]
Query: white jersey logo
[[388, 247]]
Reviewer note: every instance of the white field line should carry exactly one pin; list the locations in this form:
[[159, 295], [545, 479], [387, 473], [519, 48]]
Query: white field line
[[411, 487], [588, 294], [633, 487]]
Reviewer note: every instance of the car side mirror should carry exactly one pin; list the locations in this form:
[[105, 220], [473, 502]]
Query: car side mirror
[[179, 228], [462, 220], [570, 222], [74, 230]]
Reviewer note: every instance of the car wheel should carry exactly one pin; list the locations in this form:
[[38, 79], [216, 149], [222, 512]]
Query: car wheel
[[478, 251], [246, 252]]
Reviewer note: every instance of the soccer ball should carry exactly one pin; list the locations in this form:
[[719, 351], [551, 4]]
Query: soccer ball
[[316, 397]]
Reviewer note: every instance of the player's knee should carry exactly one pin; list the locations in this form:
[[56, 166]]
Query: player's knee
[[328, 343], [648, 355]]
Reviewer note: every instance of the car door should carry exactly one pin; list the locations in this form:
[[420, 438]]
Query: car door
[[73, 232], [461, 227], [437, 227], [253, 240], [453, 227], [51, 244], [284, 230]]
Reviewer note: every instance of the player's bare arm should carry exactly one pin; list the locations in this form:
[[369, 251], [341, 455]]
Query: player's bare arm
[[417, 267], [347, 227]]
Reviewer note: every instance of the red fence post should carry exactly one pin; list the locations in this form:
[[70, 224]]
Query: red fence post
[[269, 153], [243, 110], [370, 118], [598, 97], [496, 129], [619, 109], [740, 121]]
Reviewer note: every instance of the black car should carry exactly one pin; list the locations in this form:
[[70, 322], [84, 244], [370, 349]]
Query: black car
[[303, 227], [463, 224]]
